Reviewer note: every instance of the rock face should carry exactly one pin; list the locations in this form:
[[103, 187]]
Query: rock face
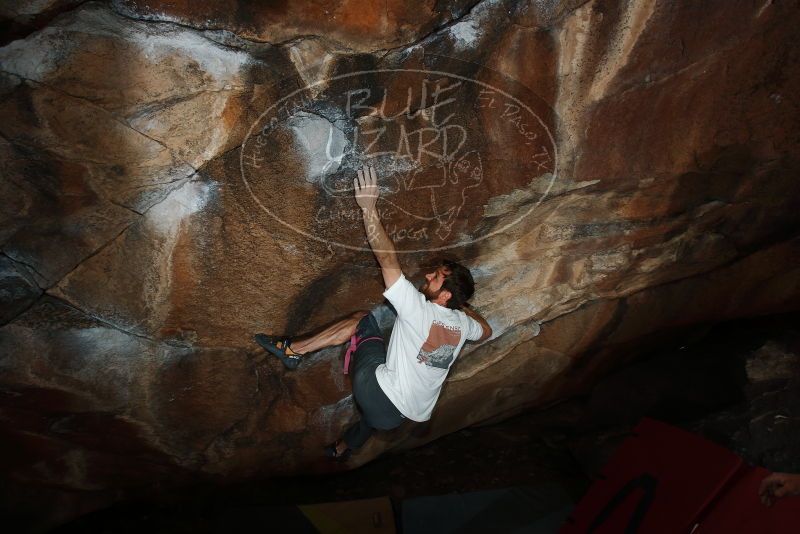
[[177, 176]]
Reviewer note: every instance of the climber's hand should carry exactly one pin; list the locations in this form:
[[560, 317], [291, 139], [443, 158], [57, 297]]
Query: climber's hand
[[777, 485], [366, 187]]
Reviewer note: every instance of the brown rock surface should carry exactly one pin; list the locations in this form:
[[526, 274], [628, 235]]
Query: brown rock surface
[[358, 25], [610, 171]]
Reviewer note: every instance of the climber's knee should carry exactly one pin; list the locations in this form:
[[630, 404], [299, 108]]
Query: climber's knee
[[356, 319]]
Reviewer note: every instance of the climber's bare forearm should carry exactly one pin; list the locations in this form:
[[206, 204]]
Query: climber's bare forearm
[[381, 245], [487, 330], [365, 186]]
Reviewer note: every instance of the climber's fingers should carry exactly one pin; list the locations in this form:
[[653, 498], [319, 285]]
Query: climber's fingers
[[365, 174], [366, 177]]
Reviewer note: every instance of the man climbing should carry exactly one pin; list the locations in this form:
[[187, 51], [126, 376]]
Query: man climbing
[[431, 328]]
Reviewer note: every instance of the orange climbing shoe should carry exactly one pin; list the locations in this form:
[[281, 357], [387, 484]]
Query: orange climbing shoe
[[280, 347]]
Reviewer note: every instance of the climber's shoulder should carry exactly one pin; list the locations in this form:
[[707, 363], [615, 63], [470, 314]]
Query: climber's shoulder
[[391, 274]]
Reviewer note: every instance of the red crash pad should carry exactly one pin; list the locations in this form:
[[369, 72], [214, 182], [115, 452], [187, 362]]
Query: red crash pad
[[665, 480], [739, 510]]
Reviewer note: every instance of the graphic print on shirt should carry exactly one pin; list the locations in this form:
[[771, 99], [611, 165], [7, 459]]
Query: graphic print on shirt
[[438, 349]]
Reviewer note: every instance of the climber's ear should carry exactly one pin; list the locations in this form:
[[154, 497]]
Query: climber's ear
[[445, 295]]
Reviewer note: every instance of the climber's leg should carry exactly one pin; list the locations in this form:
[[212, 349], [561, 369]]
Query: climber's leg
[[377, 411], [355, 436], [335, 334]]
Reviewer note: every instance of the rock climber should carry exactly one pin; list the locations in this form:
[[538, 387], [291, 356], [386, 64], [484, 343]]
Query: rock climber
[[404, 380]]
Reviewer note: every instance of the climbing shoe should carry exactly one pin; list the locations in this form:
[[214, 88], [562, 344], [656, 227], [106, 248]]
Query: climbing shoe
[[280, 348], [332, 452]]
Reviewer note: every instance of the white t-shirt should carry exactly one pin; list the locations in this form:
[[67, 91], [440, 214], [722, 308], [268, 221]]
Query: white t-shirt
[[425, 342]]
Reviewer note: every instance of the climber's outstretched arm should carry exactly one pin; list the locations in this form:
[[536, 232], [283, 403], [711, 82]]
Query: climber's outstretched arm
[[487, 330], [366, 190]]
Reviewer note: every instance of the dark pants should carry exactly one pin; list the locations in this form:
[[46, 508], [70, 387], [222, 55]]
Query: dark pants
[[377, 411]]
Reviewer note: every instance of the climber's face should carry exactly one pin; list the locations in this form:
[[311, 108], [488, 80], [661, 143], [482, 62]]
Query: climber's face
[[432, 288]]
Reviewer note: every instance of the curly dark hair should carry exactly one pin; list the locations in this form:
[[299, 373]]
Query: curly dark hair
[[458, 281]]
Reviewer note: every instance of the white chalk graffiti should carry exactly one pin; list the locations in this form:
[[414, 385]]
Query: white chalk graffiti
[[464, 173], [432, 148], [425, 162]]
